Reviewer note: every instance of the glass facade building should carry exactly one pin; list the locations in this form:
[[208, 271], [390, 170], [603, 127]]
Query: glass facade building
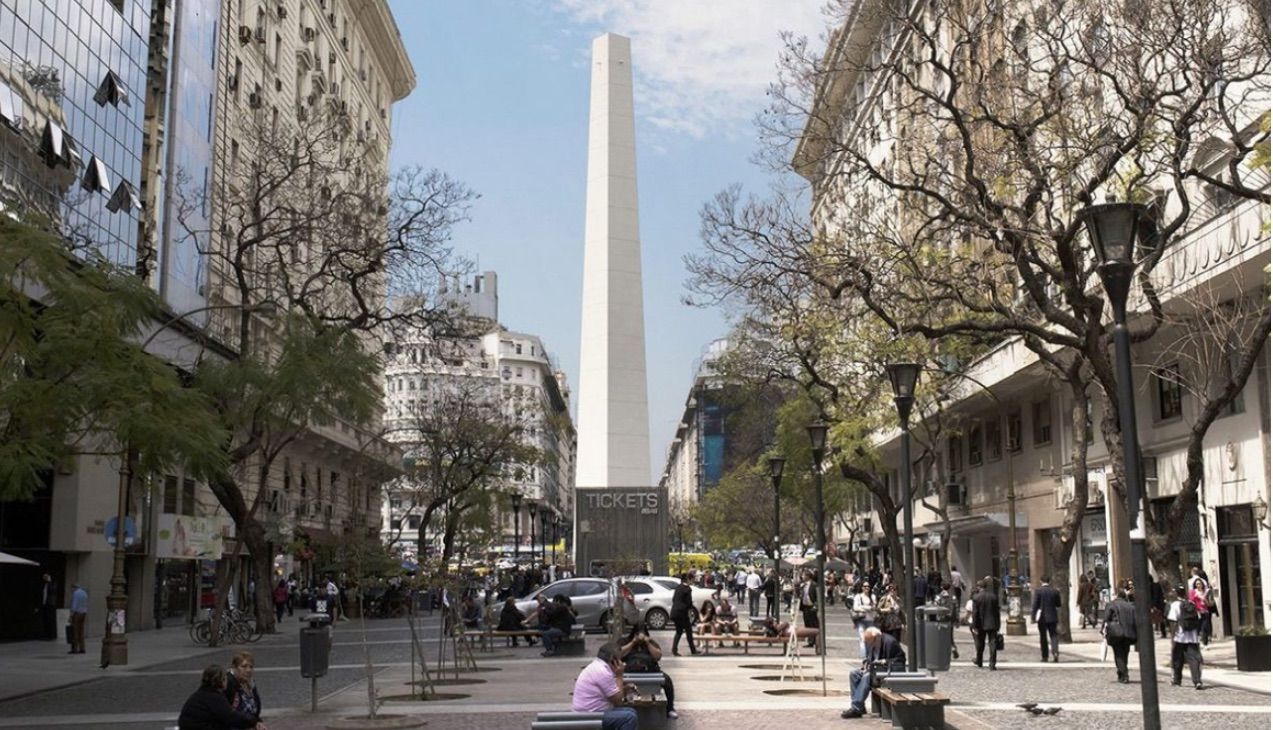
[[72, 115], [190, 126]]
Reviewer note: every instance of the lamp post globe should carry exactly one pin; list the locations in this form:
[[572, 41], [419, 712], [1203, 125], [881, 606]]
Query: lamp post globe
[[1113, 230]]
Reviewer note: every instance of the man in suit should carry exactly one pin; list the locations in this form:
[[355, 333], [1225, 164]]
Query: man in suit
[[884, 653], [985, 620], [1047, 602]]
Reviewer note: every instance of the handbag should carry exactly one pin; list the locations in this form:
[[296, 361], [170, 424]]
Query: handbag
[[998, 642]]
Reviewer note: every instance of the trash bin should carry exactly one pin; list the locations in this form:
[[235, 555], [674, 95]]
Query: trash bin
[[316, 643], [937, 638]]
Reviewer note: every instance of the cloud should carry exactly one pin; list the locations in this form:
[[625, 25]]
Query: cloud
[[701, 66]]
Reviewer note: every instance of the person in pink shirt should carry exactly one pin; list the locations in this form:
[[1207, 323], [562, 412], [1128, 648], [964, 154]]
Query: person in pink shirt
[[600, 688]]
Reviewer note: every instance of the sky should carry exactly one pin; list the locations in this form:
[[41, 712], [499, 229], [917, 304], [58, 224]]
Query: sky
[[501, 103]]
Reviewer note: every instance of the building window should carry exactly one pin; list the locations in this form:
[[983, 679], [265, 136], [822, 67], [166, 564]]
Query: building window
[[954, 454], [1041, 416], [974, 446], [1014, 432], [994, 439], [1167, 389], [170, 495], [187, 497], [518, 348]]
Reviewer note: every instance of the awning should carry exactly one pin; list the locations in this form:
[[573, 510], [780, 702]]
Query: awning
[[7, 559], [970, 525]]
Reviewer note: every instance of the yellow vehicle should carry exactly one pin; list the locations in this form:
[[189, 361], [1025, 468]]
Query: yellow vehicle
[[678, 563]]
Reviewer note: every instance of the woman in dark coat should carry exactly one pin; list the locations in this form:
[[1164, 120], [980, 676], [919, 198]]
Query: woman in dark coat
[[510, 619], [208, 709]]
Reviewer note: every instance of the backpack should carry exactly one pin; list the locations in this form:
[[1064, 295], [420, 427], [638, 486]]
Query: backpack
[[1188, 619]]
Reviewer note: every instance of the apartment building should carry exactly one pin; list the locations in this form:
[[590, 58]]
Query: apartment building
[[115, 116], [1005, 456], [513, 369], [696, 457]]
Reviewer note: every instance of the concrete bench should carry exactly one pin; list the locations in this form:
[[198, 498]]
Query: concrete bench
[[911, 710], [567, 721], [649, 684]]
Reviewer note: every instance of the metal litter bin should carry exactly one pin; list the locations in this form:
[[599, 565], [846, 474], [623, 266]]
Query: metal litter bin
[[316, 647], [938, 635]]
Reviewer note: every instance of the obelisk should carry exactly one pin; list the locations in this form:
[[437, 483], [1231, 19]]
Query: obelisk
[[614, 430]]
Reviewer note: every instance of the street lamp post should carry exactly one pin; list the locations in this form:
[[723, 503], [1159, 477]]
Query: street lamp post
[[516, 499], [903, 376], [1113, 229], [532, 508], [1016, 619], [776, 464], [556, 530], [543, 534], [818, 444]]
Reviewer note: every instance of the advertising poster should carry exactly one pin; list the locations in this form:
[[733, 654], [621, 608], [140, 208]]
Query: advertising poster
[[183, 536]]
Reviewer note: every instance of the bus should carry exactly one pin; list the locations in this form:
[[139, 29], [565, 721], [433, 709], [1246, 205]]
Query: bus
[[678, 563]]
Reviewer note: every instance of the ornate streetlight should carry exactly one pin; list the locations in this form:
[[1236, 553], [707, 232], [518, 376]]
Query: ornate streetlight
[[818, 445], [543, 533], [532, 508], [1113, 230], [516, 499], [556, 529], [776, 464], [903, 376]]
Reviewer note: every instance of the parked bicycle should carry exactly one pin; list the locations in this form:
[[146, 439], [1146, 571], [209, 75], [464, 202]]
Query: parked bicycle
[[236, 627]]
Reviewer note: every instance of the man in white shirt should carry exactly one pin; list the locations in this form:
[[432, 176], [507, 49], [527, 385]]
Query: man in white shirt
[[740, 585], [753, 592], [1186, 624]]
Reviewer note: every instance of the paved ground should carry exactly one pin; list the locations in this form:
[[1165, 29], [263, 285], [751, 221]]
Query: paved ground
[[716, 691]]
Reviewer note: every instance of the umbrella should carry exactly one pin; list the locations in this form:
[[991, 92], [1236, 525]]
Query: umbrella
[[7, 559]]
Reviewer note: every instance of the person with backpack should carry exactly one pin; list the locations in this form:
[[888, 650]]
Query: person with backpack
[[1186, 623], [1120, 631]]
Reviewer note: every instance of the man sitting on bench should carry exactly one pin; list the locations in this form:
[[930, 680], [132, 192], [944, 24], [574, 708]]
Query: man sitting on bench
[[882, 652], [600, 688], [641, 655], [726, 617], [785, 630]]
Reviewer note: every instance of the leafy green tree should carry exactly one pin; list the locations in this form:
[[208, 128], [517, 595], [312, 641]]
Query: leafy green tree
[[75, 378]]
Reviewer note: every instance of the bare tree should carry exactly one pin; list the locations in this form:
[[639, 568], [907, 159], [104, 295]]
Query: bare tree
[[310, 254], [945, 201]]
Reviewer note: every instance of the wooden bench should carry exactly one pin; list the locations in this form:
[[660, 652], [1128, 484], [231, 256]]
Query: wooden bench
[[911, 710], [745, 639]]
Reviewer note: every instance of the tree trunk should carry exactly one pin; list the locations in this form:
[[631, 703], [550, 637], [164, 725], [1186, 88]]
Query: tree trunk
[[1062, 548]]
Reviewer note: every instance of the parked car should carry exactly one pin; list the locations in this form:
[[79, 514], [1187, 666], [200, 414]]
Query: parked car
[[698, 593], [653, 599], [590, 597]]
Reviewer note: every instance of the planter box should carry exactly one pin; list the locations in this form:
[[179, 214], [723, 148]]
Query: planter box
[[1253, 653]]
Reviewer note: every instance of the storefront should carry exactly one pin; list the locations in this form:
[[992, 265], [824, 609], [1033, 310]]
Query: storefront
[[1241, 600], [1094, 551]]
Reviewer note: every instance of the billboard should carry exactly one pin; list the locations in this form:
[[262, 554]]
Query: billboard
[[183, 536], [620, 528]]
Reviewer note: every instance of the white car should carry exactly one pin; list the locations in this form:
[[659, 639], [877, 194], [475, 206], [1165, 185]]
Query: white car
[[698, 594]]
